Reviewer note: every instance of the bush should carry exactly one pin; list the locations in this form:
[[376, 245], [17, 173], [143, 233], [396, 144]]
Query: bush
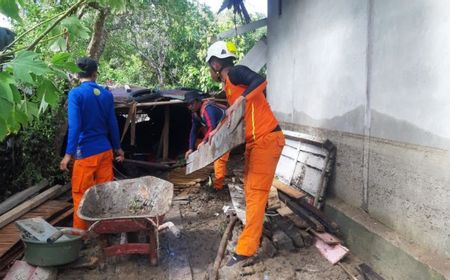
[[32, 155]]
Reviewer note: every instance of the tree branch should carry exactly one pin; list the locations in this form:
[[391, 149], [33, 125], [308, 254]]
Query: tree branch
[[31, 29], [67, 13]]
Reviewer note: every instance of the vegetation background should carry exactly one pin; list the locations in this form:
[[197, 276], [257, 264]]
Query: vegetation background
[[149, 43]]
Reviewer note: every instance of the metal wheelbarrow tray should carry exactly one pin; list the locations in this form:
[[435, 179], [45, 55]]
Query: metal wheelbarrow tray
[[127, 206]]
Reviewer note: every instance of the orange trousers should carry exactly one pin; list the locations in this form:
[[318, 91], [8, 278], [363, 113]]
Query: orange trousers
[[86, 173], [261, 159], [220, 171]]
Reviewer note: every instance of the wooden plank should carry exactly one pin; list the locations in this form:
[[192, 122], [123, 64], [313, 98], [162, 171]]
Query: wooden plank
[[284, 211], [165, 134], [46, 210], [13, 249], [242, 29], [32, 203], [326, 237], [20, 197], [151, 104], [62, 217], [152, 165], [226, 138], [291, 191]]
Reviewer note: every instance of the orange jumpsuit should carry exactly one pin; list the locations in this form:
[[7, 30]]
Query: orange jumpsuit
[[86, 173], [264, 143], [220, 171]]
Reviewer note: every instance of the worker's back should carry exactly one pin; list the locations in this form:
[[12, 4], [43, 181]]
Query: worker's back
[[91, 116]]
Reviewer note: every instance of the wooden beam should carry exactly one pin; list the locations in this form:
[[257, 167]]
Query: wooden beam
[[166, 130], [242, 29], [153, 165], [291, 191], [150, 104], [20, 197], [23, 208], [226, 138]]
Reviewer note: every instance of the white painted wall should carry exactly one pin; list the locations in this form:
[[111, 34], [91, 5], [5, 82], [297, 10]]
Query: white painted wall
[[378, 68]]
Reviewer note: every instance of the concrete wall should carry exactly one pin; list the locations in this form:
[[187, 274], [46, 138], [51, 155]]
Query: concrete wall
[[372, 77]]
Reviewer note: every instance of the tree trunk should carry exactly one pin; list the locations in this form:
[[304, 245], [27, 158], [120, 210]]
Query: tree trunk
[[98, 39]]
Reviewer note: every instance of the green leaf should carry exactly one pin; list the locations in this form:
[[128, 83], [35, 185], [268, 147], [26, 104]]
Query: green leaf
[[57, 45], [10, 9], [64, 61], [6, 80], [16, 93], [115, 5], [59, 59], [75, 28], [3, 129], [33, 109], [25, 63], [5, 108], [48, 90], [43, 106]]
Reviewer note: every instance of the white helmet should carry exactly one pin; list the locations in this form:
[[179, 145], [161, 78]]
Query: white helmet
[[221, 49]]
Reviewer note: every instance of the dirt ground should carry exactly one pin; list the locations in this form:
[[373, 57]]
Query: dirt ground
[[202, 223]]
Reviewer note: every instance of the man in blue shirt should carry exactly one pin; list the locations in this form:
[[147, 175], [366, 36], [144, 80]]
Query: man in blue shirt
[[206, 114], [93, 135]]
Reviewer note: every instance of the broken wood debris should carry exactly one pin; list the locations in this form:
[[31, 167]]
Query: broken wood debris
[[23, 208], [54, 211], [300, 237], [291, 191], [180, 179], [20, 197], [151, 165], [222, 246]]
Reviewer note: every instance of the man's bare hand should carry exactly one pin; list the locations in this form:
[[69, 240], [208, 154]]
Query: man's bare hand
[[65, 162], [211, 134], [190, 151], [120, 155]]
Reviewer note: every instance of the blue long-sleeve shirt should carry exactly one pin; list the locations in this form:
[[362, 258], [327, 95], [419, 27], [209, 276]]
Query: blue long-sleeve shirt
[[93, 127], [210, 116]]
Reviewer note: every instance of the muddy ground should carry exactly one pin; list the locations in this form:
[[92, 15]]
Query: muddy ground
[[202, 223]]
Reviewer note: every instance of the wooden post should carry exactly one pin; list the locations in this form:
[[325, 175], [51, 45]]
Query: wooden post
[[166, 133]]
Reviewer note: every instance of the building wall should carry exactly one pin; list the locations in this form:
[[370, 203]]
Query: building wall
[[371, 76]]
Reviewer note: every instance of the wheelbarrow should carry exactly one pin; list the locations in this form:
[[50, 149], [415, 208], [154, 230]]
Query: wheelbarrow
[[127, 206]]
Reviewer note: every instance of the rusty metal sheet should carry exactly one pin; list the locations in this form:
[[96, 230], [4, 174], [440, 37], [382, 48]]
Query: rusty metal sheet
[[226, 138]]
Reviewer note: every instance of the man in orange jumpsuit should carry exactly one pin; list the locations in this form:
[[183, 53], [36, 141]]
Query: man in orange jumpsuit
[[93, 135], [263, 135], [206, 114]]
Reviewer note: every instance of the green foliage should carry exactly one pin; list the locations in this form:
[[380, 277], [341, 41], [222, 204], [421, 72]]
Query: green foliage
[[152, 43], [33, 156], [10, 9], [165, 44], [25, 63]]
